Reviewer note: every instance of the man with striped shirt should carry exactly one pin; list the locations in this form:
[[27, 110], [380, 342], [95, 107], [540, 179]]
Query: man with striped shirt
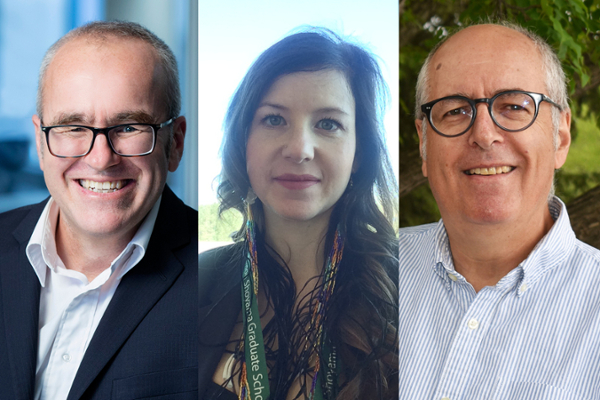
[[498, 300]]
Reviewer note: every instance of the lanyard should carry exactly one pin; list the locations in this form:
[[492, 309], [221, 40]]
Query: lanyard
[[255, 364], [331, 370], [254, 380]]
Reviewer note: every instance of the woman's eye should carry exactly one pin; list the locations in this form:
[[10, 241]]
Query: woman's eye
[[274, 120], [328, 125]]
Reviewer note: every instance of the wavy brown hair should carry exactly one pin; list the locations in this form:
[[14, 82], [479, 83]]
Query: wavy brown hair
[[362, 315]]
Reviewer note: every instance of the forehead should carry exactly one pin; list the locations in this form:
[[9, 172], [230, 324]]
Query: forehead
[[88, 74], [104, 54], [312, 90], [482, 60]]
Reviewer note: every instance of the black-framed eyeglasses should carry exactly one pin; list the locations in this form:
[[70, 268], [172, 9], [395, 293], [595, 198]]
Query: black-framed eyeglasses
[[512, 111], [126, 140]]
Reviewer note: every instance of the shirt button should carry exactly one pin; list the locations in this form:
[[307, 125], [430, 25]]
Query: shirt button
[[523, 288], [66, 357], [445, 398], [454, 278], [473, 324]]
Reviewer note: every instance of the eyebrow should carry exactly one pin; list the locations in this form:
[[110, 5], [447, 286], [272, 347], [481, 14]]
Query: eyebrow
[[493, 93], [320, 110], [331, 110], [137, 116], [277, 106], [68, 118], [509, 90], [129, 115]]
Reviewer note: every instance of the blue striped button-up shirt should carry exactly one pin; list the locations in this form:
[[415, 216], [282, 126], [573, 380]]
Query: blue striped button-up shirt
[[534, 335]]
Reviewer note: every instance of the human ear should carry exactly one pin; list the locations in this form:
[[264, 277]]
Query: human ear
[[422, 149], [37, 123], [563, 140], [176, 150]]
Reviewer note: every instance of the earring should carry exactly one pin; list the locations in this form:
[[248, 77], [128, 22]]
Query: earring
[[250, 196], [350, 183]]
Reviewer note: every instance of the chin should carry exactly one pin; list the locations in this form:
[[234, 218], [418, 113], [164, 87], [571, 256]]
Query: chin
[[105, 225], [298, 216], [300, 213], [489, 215]]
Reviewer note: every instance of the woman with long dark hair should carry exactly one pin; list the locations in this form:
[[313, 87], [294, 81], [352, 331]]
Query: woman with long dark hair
[[304, 305]]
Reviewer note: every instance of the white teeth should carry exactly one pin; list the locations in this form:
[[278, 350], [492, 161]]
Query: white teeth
[[102, 187], [490, 171]]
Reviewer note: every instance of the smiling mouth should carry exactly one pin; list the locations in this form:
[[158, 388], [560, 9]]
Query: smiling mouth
[[103, 187], [489, 171]]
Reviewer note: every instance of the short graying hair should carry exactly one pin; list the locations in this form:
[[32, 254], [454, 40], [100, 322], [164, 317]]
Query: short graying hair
[[104, 30], [556, 81]]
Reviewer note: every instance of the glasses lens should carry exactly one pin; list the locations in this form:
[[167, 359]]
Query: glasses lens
[[451, 116], [132, 140], [69, 141], [513, 111]]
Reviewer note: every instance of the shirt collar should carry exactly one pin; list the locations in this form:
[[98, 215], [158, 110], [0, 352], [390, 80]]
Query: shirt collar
[[41, 248], [549, 252], [553, 248], [443, 264]]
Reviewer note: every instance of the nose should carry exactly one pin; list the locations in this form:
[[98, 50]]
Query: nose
[[484, 132], [101, 157], [299, 145]]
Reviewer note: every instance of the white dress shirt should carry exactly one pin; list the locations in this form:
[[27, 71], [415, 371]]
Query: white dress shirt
[[71, 307]]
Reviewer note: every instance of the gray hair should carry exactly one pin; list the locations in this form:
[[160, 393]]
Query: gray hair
[[103, 30], [556, 81]]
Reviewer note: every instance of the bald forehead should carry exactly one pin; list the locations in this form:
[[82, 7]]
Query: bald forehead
[[107, 44], [491, 55], [106, 58]]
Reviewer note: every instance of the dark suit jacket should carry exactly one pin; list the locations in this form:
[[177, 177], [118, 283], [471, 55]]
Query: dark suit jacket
[[220, 300], [146, 343]]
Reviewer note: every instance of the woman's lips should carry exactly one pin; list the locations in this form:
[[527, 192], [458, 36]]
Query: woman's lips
[[296, 182]]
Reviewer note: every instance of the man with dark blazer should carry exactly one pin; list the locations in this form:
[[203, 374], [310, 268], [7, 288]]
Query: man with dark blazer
[[98, 283]]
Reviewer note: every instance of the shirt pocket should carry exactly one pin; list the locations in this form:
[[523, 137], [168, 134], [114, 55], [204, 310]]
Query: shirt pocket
[[180, 384], [533, 391]]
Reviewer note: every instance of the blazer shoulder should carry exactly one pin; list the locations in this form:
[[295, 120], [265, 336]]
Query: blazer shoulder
[[176, 228], [214, 258], [15, 216], [219, 269], [21, 221]]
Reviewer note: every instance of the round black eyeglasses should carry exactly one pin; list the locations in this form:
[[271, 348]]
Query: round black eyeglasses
[[126, 140], [512, 111]]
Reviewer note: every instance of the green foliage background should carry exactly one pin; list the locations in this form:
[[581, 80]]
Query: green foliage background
[[211, 228], [572, 27]]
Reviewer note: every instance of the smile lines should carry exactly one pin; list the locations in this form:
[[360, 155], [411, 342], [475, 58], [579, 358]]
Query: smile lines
[[102, 187], [489, 171]]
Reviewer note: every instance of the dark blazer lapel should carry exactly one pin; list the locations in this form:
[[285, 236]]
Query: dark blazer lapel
[[140, 289], [20, 303], [216, 324], [220, 306]]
